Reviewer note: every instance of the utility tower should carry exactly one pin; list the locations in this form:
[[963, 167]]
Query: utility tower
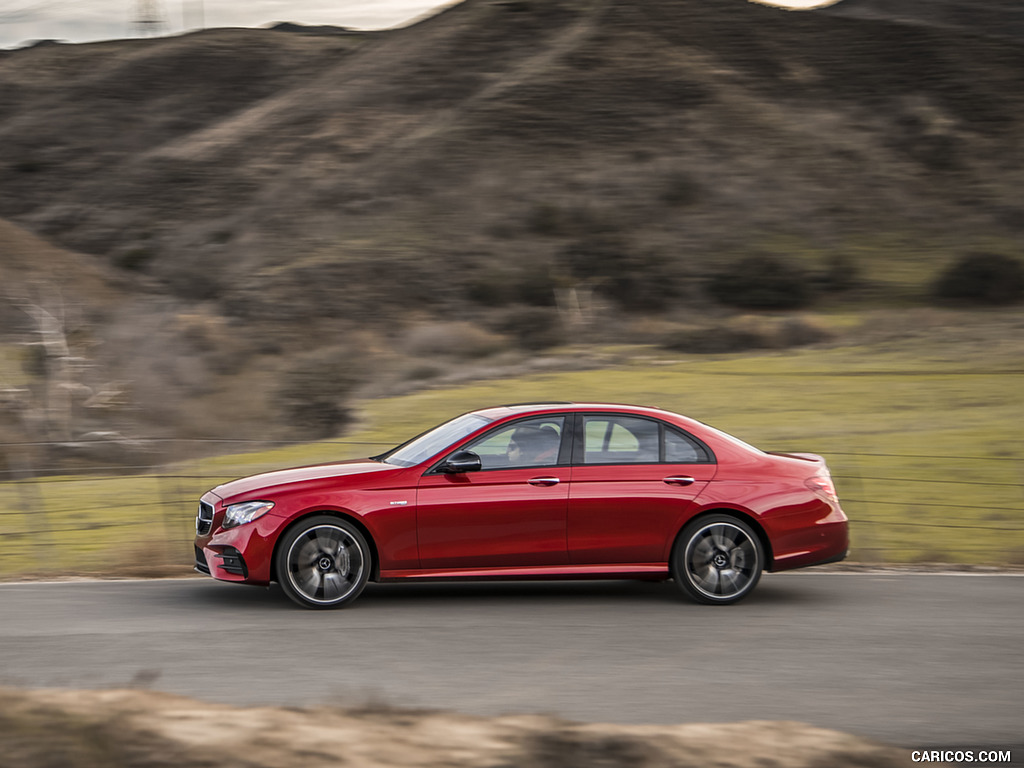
[[148, 18]]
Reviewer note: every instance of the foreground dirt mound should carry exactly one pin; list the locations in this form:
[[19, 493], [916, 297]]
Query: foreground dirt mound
[[39, 729]]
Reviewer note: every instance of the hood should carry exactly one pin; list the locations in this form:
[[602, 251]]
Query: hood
[[257, 483]]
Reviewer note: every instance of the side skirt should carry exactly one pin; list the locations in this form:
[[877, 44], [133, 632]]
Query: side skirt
[[650, 571]]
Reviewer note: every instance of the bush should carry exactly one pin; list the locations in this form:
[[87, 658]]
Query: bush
[[134, 259], [746, 333], [529, 283], [841, 274], [981, 278], [635, 280], [546, 219], [761, 281], [680, 190], [451, 339], [795, 332], [311, 394], [714, 341], [554, 220], [534, 327]]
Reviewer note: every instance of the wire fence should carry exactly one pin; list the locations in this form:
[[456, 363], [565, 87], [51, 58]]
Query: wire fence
[[138, 516]]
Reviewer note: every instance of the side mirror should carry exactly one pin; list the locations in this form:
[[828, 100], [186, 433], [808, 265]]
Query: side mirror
[[461, 461]]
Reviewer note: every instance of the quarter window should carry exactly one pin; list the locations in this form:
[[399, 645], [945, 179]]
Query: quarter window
[[680, 449]]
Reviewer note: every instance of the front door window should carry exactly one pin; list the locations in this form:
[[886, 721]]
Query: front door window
[[528, 443]]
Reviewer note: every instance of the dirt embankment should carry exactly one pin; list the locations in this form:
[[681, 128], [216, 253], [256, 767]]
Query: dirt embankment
[[104, 729]]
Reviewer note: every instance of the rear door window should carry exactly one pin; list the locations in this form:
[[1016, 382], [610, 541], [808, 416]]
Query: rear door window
[[619, 439]]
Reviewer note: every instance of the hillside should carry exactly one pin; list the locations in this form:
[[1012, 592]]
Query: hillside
[[994, 18], [290, 189]]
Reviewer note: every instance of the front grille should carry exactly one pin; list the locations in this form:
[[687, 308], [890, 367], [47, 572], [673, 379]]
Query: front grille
[[204, 519], [201, 564]]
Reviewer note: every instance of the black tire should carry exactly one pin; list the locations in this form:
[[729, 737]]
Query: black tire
[[717, 560], [323, 562]]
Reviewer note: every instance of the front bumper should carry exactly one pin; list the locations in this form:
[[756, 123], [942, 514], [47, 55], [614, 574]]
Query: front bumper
[[201, 565], [241, 554], [228, 560]]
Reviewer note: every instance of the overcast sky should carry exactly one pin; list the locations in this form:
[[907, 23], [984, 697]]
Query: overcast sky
[[83, 20]]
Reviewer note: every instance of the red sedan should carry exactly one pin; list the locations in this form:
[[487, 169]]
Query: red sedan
[[531, 491]]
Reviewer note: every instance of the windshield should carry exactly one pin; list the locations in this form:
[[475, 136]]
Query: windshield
[[421, 448]]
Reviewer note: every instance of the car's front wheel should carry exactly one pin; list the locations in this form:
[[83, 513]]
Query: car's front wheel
[[323, 562], [717, 560]]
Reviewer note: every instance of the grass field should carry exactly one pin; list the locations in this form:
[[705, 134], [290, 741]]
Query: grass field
[[922, 435]]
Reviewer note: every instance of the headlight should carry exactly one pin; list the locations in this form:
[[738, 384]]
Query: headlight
[[246, 512]]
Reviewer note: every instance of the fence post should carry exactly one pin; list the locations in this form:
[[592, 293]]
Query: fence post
[[865, 536], [34, 510], [165, 513]]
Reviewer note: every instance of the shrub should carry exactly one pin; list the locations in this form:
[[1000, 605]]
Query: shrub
[[746, 333], [311, 393], [422, 372], [498, 287], [490, 288], [796, 332], [534, 327], [981, 278], [760, 281], [134, 259], [714, 341], [452, 339], [841, 274], [546, 219], [680, 190], [29, 166], [635, 280], [648, 282], [595, 257]]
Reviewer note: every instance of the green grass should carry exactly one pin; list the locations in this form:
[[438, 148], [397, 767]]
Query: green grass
[[12, 373], [924, 440]]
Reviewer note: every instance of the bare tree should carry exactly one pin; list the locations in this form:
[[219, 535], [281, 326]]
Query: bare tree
[[43, 407]]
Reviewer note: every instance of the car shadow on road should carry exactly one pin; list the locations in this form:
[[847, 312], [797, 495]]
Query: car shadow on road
[[538, 591], [393, 595], [217, 595], [772, 592], [575, 592]]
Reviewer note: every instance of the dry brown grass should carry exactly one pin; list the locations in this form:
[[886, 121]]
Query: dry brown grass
[[105, 729]]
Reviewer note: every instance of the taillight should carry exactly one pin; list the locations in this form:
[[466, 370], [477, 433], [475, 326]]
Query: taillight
[[824, 487]]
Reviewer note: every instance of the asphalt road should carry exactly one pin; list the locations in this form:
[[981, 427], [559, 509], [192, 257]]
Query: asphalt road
[[914, 660]]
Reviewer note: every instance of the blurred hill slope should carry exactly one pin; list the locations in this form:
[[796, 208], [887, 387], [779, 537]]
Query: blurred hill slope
[[28, 259], [224, 161], [998, 18], [302, 186]]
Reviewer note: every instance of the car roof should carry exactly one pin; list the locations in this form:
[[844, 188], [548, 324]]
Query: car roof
[[512, 409]]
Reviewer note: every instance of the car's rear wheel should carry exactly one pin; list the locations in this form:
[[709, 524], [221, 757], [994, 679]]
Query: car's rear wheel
[[323, 562], [717, 560]]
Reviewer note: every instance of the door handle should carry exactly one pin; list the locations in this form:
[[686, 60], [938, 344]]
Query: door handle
[[679, 480], [543, 481]]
